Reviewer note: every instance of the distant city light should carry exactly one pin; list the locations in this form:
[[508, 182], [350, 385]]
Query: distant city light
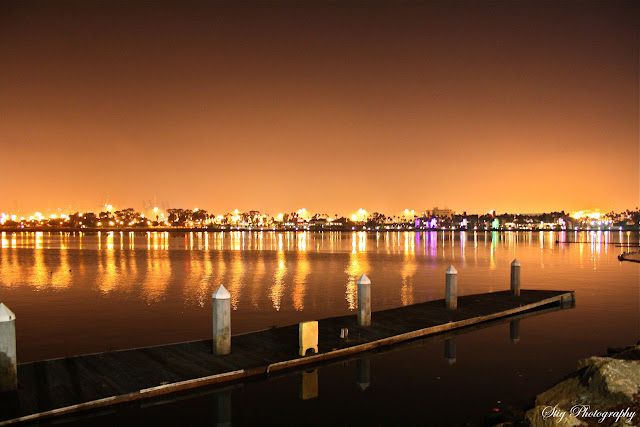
[[305, 220], [587, 215]]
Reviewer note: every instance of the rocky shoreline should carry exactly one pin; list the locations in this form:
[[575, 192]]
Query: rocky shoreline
[[603, 391]]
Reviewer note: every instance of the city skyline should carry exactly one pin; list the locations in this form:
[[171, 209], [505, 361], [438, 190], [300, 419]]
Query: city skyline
[[109, 215], [276, 106]]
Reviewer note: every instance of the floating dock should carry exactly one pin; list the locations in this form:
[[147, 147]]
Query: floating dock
[[630, 256], [61, 386]]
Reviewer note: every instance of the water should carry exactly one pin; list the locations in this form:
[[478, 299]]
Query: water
[[75, 294]]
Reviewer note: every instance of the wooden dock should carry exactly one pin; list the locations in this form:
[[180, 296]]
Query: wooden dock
[[630, 256], [62, 386]]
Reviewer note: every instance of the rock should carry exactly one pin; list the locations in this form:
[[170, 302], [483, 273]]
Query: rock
[[610, 384], [614, 381], [564, 394], [624, 422], [534, 418], [603, 383], [629, 353]]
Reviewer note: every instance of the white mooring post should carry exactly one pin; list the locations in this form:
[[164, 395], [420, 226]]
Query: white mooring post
[[221, 321], [515, 278], [8, 361], [451, 293], [364, 301]]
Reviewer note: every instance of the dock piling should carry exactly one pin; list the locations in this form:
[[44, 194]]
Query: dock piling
[[451, 293], [221, 321], [569, 301], [364, 301], [515, 278], [8, 361]]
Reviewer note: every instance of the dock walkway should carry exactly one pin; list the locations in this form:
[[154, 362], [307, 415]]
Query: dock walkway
[[61, 386]]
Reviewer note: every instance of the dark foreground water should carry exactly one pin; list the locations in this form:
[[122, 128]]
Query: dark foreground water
[[75, 294]]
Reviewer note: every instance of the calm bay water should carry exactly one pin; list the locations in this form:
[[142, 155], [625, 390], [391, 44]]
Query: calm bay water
[[75, 294]]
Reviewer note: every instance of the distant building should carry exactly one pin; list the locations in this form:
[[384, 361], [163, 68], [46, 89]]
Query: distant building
[[317, 222], [442, 213]]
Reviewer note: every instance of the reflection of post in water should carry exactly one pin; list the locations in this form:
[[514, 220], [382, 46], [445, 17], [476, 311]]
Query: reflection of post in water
[[364, 373], [309, 384], [514, 331], [450, 350], [222, 404]]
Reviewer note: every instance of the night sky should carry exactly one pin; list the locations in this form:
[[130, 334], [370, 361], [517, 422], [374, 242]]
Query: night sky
[[330, 106]]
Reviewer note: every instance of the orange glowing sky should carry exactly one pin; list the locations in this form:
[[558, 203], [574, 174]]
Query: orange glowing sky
[[329, 106]]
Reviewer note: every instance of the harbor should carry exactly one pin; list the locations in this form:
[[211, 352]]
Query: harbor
[[348, 213], [61, 386], [132, 337]]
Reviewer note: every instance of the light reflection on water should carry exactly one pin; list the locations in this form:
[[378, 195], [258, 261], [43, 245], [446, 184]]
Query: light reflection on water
[[303, 268], [105, 278], [278, 286], [258, 278]]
